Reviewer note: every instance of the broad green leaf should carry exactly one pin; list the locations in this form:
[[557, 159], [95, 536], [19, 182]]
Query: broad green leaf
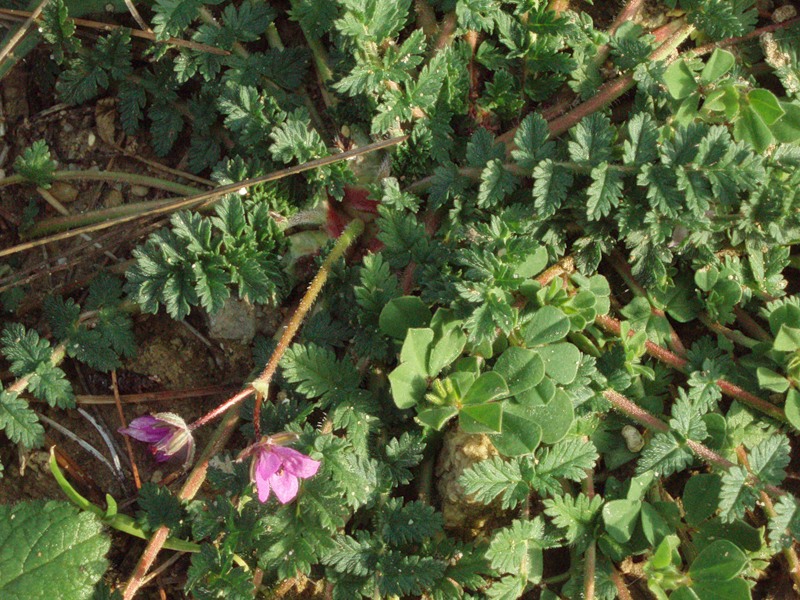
[[619, 517], [521, 432], [489, 386], [770, 380], [654, 526], [481, 418], [680, 80], [50, 550], [547, 325], [561, 361], [787, 128], [416, 349], [539, 395], [401, 314], [662, 557], [720, 62], [450, 340], [437, 417], [639, 485], [735, 589], [408, 385], [765, 104], [555, 418], [533, 263], [521, 368], [792, 408], [701, 497], [720, 561], [788, 314], [788, 339], [751, 128]]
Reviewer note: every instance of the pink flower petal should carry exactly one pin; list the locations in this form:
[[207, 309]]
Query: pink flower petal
[[262, 485], [296, 463], [284, 485], [267, 464], [146, 429]]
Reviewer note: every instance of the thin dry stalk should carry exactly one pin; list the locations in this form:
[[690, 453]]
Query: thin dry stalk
[[20, 33]]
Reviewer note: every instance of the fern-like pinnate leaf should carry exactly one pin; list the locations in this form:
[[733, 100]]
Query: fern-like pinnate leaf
[[317, 372], [737, 494], [576, 514], [20, 423], [490, 478]]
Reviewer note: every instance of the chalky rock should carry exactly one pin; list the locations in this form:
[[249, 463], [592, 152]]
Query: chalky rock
[[236, 320], [461, 512]]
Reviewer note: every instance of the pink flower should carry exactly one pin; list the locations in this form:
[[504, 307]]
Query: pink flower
[[167, 434], [278, 469]]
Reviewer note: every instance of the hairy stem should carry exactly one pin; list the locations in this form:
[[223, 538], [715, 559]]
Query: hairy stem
[[612, 325], [209, 196], [110, 176], [261, 383]]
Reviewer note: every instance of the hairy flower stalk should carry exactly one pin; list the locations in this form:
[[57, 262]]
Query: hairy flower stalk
[[260, 384]]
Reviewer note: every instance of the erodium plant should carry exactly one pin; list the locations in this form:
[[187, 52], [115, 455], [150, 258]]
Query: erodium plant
[[554, 347]]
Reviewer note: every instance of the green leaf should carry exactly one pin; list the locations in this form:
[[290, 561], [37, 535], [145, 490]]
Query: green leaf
[[720, 62], [496, 183], [517, 549], [792, 408], [416, 350], [641, 147], [679, 79], [489, 386], [450, 340], [318, 373], [403, 313], [547, 325], [50, 549], [604, 192], [751, 128], [769, 459], [567, 459], [531, 142], [481, 418], [551, 182], [19, 422], [620, 518], [770, 380], [35, 164], [408, 385], [766, 105], [159, 507], [720, 561], [521, 368], [495, 476], [787, 128], [555, 418], [521, 432], [736, 495], [434, 418], [561, 361], [787, 339], [700, 497]]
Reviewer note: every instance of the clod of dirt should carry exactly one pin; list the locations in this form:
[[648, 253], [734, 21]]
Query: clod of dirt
[[236, 320], [461, 512]]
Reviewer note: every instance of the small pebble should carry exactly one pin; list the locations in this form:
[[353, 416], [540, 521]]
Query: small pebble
[[112, 198], [64, 192], [140, 190]]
